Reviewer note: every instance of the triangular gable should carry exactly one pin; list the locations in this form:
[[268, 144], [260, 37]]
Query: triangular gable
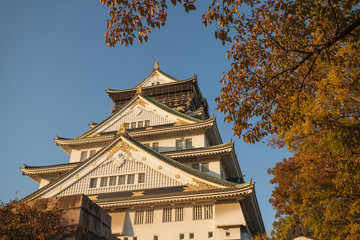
[[141, 108], [156, 77], [126, 156]]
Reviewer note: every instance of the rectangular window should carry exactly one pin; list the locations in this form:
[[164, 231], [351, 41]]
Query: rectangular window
[[131, 179], [147, 145], [191, 235], [208, 211], [127, 125], [93, 182], [156, 237], [149, 217], [112, 181], [179, 214], [103, 181], [139, 217], [205, 167], [92, 152], [122, 180], [195, 166], [210, 234], [155, 146], [181, 236], [188, 143], [83, 155], [133, 125], [134, 238], [141, 178], [179, 144], [167, 214], [197, 212], [140, 124], [147, 123]]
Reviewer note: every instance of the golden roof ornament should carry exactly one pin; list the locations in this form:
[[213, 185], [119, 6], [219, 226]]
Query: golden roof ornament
[[139, 90], [122, 130], [156, 67]]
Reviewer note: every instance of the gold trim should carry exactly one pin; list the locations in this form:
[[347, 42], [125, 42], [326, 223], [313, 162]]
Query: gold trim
[[58, 188], [140, 193], [93, 164], [177, 176], [93, 197], [143, 158], [159, 167]]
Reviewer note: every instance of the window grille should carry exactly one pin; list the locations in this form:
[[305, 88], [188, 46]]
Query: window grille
[[205, 167], [112, 181], [131, 179], [133, 125], [83, 155], [149, 217], [155, 146], [127, 125], [188, 143], [140, 124], [208, 211], [147, 123], [141, 178], [179, 144], [121, 179], [197, 212], [179, 214], [103, 182], [92, 152], [181, 236], [196, 166], [167, 214], [93, 182], [139, 217]]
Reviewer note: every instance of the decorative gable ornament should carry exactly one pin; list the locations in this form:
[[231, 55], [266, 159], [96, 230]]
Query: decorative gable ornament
[[119, 159]]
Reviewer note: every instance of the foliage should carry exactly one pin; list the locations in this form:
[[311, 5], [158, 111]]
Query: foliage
[[294, 75], [36, 220], [261, 237]]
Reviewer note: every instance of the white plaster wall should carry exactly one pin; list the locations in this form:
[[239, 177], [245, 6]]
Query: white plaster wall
[[76, 153], [169, 143], [172, 230]]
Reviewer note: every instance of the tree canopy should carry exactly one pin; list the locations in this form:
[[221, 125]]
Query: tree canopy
[[295, 69], [36, 220]]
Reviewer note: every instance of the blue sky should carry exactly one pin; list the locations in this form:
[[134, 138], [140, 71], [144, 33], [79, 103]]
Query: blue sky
[[55, 66]]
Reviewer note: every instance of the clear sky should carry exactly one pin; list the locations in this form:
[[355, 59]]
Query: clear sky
[[55, 66]]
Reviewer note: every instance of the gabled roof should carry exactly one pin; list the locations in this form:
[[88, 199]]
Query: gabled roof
[[147, 99], [56, 184]]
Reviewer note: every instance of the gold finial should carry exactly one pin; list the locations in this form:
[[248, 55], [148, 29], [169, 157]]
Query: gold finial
[[156, 67], [139, 90], [122, 129]]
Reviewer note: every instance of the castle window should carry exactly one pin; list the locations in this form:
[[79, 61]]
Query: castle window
[[141, 178], [188, 143], [83, 155], [196, 166], [112, 181], [127, 125], [133, 125], [167, 214], [121, 179], [103, 182], [197, 212], [208, 211], [210, 234], [140, 124], [191, 235], [181, 236], [205, 167], [139, 217], [147, 123], [155, 146], [131, 179], [93, 182], [149, 217], [147, 145], [92, 152], [155, 237], [179, 214], [179, 144]]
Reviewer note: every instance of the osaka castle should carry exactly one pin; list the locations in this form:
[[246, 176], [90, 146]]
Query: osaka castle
[[158, 166]]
